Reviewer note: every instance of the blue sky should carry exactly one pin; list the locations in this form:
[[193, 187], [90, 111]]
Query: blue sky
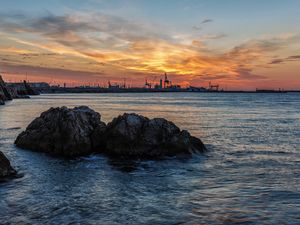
[[264, 17]]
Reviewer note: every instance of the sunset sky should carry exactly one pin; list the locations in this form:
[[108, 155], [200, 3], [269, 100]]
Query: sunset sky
[[239, 44]]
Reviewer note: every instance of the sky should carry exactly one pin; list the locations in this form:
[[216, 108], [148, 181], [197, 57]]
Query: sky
[[238, 44]]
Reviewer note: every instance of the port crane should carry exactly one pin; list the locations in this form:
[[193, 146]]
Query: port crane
[[213, 87], [166, 81], [150, 84], [147, 84]]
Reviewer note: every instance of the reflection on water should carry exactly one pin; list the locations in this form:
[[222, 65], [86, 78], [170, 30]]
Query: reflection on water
[[251, 174]]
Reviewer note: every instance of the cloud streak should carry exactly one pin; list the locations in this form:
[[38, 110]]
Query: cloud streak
[[206, 21], [292, 58]]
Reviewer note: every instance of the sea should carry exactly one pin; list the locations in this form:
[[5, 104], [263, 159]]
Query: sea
[[249, 175]]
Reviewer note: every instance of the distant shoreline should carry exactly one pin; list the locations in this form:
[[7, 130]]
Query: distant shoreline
[[143, 90]]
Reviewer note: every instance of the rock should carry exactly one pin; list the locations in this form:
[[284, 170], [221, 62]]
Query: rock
[[79, 131], [5, 167], [135, 136], [5, 93], [62, 131]]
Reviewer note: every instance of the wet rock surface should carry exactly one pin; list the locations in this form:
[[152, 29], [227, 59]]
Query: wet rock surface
[[79, 131], [135, 136], [5, 167], [62, 131]]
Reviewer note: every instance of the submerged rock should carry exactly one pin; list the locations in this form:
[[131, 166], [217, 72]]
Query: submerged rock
[[5, 167], [135, 136], [62, 131]]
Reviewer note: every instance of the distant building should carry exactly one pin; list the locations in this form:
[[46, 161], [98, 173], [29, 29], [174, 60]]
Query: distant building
[[40, 85], [35, 85], [26, 88]]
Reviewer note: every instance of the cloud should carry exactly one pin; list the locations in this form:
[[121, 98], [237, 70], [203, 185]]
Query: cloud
[[287, 59], [213, 36], [198, 44], [246, 73], [79, 29], [111, 45], [197, 28], [277, 61], [294, 57], [206, 21], [210, 77], [48, 72]]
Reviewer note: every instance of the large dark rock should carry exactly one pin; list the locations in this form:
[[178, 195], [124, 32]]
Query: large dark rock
[[135, 136], [62, 131], [79, 131], [5, 167]]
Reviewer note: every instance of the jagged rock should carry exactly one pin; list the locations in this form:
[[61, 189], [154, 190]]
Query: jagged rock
[[135, 136], [5, 167], [62, 131], [4, 92]]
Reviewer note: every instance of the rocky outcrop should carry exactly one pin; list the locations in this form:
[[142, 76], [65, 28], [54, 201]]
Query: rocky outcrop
[[62, 131], [5, 93], [79, 131], [135, 136], [8, 93], [5, 167]]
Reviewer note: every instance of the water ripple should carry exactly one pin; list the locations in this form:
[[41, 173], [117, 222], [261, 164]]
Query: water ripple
[[250, 175]]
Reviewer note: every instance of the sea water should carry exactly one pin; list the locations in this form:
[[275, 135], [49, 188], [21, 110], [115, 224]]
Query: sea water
[[250, 174]]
